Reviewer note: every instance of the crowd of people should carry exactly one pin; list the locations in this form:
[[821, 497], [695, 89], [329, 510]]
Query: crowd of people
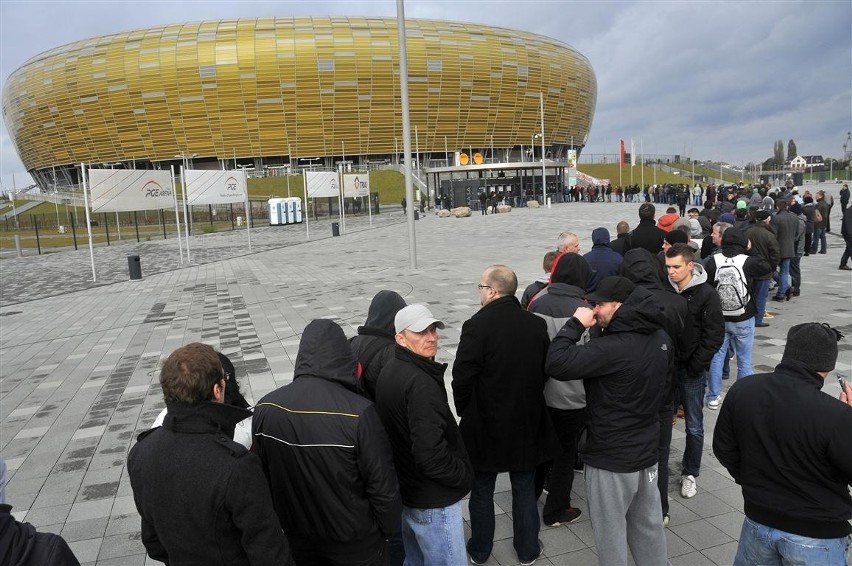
[[362, 460]]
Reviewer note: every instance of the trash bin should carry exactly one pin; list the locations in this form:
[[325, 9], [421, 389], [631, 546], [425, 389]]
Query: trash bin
[[416, 215], [134, 265], [335, 228]]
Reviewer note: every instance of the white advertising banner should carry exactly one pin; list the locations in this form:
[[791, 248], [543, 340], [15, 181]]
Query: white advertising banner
[[322, 184], [356, 185], [572, 167], [120, 190], [215, 187]]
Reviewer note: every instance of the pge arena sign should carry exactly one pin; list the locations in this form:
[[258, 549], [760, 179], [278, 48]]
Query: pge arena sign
[[356, 185], [120, 190], [215, 187]]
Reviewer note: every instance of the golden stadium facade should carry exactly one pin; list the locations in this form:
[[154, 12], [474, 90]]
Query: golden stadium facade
[[276, 88]]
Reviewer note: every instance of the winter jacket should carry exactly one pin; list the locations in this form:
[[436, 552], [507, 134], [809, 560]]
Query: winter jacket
[[324, 450], [203, 498], [602, 259], [647, 235], [621, 244], [787, 232], [532, 289], [556, 305], [764, 244], [824, 211], [755, 267], [788, 445], [624, 371], [706, 325], [371, 347], [809, 211], [498, 384], [431, 461], [21, 545]]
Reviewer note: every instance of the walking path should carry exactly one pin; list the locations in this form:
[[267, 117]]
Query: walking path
[[79, 362]]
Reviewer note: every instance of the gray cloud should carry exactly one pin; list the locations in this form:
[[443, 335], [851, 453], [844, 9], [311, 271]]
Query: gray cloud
[[717, 80]]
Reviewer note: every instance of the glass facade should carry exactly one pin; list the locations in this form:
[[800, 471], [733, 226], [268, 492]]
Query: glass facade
[[325, 86]]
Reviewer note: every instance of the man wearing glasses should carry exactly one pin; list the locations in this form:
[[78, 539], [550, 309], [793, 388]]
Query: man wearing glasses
[[431, 462], [498, 388], [203, 498]]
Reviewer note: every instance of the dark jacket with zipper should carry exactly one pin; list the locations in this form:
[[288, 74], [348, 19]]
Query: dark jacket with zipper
[[324, 450], [624, 371], [375, 340], [203, 498], [788, 445], [429, 453]]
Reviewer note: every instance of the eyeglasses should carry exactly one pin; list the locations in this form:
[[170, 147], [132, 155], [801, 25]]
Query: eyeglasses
[[484, 287]]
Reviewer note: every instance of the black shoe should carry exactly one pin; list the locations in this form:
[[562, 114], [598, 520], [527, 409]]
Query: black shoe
[[845, 268], [761, 324], [822, 252], [788, 294], [570, 515], [780, 299]]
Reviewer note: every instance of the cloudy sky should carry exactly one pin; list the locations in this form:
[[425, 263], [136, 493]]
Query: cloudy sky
[[710, 79]]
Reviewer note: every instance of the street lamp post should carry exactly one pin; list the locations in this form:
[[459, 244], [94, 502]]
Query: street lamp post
[[543, 176]]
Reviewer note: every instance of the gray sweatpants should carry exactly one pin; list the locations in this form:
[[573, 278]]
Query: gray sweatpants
[[625, 511]]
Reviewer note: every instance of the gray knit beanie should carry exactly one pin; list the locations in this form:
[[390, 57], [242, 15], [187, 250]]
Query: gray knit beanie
[[814, 344]]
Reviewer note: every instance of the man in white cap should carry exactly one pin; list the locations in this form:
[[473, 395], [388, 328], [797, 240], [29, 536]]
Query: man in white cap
[[789, 446], [431, 462]]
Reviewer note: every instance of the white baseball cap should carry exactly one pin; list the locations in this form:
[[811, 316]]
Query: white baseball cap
[[416, 318]]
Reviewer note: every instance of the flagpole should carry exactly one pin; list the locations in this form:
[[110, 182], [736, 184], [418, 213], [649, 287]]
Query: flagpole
[[185, 213], [177, 213]]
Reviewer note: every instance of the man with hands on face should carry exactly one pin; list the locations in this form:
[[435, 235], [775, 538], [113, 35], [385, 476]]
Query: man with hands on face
[[623, 368]]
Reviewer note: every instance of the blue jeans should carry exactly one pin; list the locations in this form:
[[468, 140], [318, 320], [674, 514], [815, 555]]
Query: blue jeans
[[433, 536], [761, 293], [765, 546], [525, 521], [691, 391], [819, 240], [783, 277], [740, 336]]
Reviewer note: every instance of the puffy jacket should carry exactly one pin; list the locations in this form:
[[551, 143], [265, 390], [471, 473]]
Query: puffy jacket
[[556, 304], [624, 371], [788, 445], [371, 347], [324, 450], [706, 326], [755, 267], [429, 453]]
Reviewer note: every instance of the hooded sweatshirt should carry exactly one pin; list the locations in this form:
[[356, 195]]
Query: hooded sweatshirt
[[324, 450], [556, 305], [375, 338], [602, 259], [705, 326]]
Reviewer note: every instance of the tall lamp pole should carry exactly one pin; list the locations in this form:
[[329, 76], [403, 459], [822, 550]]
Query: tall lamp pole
[[543, 176]]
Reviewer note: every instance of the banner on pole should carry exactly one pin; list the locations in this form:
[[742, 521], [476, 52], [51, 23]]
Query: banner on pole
[[322, 184], [215, 187], [356, 185], [121, 190], [572, 167], [621, 155]]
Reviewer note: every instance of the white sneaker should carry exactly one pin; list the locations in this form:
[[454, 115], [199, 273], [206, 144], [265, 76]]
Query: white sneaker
[[714, 403], [688, 487]]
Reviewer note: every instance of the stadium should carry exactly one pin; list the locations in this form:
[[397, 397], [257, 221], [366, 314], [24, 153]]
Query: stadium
[[283, 94]]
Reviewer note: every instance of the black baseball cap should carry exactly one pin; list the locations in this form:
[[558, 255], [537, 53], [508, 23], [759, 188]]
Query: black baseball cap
[[612, 288]]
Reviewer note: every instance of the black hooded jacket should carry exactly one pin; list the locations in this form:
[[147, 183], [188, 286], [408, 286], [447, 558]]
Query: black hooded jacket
[[324, 450], [372, 346], [624, 371]]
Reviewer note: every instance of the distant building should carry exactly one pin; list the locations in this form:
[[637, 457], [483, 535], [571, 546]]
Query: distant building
[[798, 162]]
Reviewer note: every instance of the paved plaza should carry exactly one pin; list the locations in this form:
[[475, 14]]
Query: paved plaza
[[79, 361]]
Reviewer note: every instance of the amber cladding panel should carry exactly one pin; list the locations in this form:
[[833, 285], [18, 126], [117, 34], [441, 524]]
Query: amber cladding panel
[[313, 86]]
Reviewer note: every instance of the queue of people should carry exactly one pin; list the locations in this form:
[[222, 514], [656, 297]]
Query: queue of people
[[362, 460]]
